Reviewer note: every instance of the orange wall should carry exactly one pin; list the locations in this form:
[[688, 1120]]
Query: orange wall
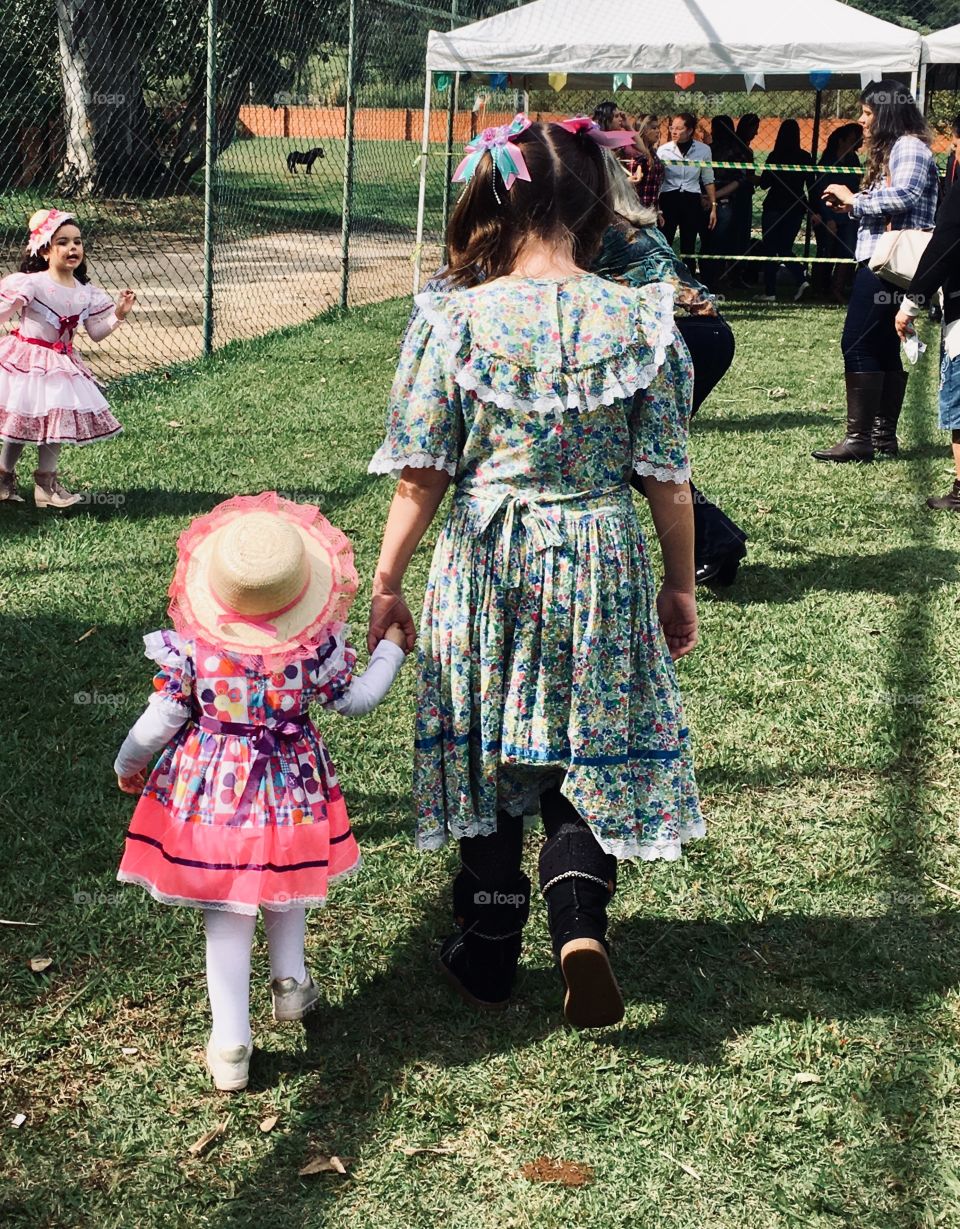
[[404, 124]]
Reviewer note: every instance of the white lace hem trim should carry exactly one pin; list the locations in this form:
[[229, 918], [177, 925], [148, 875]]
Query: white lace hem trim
[[230, 906], [661, 473], [623, 851], [384, 462]]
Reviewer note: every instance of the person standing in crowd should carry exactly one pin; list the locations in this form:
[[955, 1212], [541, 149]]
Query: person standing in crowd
[[784, 208], [682, 183], [609, 117], [951, 172], [635, 252], [940, 267], [835, 232], [648, 173], [900, 188], [747, 128], [721, 241]]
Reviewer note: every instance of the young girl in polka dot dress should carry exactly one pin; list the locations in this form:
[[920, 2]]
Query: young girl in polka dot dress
[[243, 810]]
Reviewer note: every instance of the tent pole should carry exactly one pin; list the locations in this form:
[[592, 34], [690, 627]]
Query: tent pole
[[452, 108], [922, 89], [815, 152], [422, 200]]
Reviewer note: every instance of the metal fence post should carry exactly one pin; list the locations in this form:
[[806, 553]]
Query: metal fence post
[[209, 162], [814, 153], [348, 156], [452, 105]]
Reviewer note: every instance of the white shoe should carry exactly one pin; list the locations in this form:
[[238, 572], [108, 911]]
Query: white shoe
[[764, 298], [230, 1068], [801, 290], [292, 1001]]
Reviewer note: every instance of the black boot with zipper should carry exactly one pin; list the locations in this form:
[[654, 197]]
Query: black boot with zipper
[[864, 394], [577, 880], [885, 444]]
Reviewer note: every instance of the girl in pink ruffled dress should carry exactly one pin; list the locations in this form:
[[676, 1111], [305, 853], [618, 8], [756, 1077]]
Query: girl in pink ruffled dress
[[48, 397], [243, 812]]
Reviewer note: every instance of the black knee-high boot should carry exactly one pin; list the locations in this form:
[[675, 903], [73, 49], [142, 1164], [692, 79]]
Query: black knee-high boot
[[577, 880], [491, 903]]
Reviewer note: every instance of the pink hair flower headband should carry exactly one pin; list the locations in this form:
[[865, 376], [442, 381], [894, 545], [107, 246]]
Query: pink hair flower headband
[[507, 157], [583, 125], [43, 225]]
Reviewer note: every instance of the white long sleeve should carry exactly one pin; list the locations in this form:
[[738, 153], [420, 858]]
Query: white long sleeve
[[150, 733], [368, 689]]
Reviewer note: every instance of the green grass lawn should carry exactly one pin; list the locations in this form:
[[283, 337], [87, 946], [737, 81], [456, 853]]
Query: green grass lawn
[[789, 1054]]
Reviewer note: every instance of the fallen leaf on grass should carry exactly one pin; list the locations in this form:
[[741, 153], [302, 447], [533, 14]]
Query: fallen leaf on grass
[[777, 394], [18, 1120], [567, 1173], [807, 1077], [441, 1150], [39, 963], [173, 423], [207, 1138], [88, 632], [269, 1123], [129, 1050], [323, 1165], [687, 1169]]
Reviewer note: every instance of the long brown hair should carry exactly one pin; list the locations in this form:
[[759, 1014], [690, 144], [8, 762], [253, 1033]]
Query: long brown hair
[[36, 262], [895, 115], [567, 197]]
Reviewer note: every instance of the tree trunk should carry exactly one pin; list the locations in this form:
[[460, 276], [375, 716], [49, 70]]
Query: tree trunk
[[110, 143]]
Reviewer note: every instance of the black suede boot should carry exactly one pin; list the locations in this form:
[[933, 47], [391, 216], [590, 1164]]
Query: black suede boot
[[885, 444], [864, 394], [481, 958], [949, 502], [577, 880]]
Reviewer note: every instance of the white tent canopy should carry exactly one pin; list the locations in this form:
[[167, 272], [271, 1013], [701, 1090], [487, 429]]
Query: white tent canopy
[[782, 39], [942, 47]]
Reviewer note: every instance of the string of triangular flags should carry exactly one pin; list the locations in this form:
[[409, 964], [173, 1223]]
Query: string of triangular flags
[[819, 78]]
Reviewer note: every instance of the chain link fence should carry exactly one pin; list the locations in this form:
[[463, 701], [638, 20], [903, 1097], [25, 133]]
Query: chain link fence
[[298, 124]]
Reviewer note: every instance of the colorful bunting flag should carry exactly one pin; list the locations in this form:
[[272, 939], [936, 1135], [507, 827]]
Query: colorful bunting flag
[[622, 79], [684, 80], [557, 81], [820, 78]]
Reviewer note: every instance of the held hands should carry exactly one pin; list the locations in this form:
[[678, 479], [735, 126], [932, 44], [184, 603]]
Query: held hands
[[677, 610], [134, 784], [388, 610], [125, 304], [396, 635]]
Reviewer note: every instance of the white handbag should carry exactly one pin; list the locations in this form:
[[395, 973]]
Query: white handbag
[[897, 255]]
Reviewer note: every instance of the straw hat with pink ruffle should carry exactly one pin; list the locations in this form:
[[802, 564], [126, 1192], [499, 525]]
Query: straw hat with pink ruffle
[[264, 577]]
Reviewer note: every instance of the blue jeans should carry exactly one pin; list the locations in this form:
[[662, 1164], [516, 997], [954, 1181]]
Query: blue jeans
[[870, 341]]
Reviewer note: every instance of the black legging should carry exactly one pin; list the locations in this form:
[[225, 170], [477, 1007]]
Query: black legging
[[683, 211], [496, 858]]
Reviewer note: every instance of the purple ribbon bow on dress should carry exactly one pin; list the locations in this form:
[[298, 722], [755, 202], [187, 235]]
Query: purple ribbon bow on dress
[[266, 740]]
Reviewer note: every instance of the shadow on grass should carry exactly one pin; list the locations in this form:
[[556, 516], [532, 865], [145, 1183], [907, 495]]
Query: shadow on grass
[[720, 423], [901, 572], [146, 503]]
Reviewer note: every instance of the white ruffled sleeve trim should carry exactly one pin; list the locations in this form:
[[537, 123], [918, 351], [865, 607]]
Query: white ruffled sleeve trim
[[386, 462], [166, 648], [662, 473]]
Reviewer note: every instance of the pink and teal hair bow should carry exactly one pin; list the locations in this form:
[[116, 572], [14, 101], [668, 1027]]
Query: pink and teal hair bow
[[507, 157]]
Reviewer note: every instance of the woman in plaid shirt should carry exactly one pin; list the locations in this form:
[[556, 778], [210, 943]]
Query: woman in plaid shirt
[[899, 193]]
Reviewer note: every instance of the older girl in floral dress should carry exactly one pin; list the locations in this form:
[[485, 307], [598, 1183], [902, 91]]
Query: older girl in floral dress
[[545, 673]]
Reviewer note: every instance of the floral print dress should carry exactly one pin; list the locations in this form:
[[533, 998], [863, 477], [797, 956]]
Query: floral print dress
[[541, 658]]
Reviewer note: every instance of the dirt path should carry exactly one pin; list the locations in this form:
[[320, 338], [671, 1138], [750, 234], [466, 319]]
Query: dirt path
[[261, 283]]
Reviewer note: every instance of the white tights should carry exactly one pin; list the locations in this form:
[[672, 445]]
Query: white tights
[[229, 942], [49, 456]]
